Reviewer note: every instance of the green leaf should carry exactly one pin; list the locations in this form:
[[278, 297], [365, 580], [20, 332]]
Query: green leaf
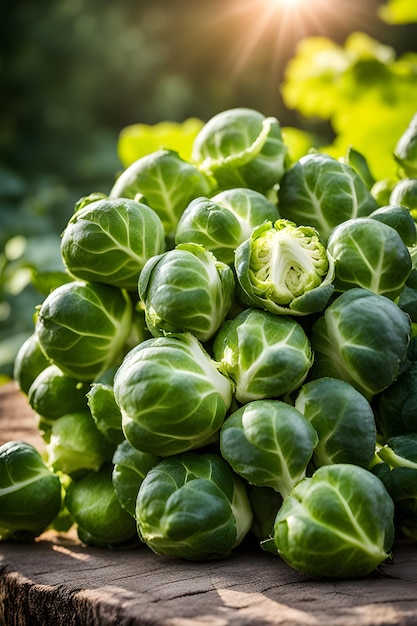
[[137, 140], [362, 88], [398, 12]]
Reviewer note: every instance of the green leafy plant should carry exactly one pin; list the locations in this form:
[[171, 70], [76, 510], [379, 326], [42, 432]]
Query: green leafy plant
[[362, 88]]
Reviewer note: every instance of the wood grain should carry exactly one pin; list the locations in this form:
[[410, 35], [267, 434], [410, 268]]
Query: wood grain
[[56, 581]]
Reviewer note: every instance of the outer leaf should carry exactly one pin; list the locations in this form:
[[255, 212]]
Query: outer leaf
[[109, 241]]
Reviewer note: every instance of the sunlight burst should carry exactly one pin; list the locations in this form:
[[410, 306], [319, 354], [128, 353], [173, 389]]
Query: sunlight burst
[[281, 24]]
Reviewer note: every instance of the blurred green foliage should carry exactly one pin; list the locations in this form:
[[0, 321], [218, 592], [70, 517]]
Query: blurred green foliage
[[75, 73], [367, 93]]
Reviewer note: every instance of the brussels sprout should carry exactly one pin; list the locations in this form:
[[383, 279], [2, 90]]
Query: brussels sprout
[[105, 411], [343, 419], [194, 507], [29, 362], [265, 355], [322, 192], [52, 394], [241, 148], [398, 472], [370, 254], [226, 220], [76, 445], [110, 240], [97, 512], [130, 468], [265, 503], [361, 338], [285, 269], [164, 181], [30, 494], [396, 406], [404, 192], [82, 328], [382, 189], [186, 290], [269, 443], [405, 152], [339, 523], [171, 394], [398, 216]]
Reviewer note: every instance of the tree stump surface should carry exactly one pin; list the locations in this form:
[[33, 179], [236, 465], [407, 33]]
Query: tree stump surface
[[57, 581]]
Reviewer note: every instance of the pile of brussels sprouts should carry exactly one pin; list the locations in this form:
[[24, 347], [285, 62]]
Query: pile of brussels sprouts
[[230, 353]]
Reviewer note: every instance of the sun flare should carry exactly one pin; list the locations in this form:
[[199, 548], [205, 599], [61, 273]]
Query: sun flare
[[279, 25]]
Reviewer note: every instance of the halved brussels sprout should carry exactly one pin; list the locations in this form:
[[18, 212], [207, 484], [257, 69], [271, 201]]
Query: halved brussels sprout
[[241, 148], [285, 269]]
